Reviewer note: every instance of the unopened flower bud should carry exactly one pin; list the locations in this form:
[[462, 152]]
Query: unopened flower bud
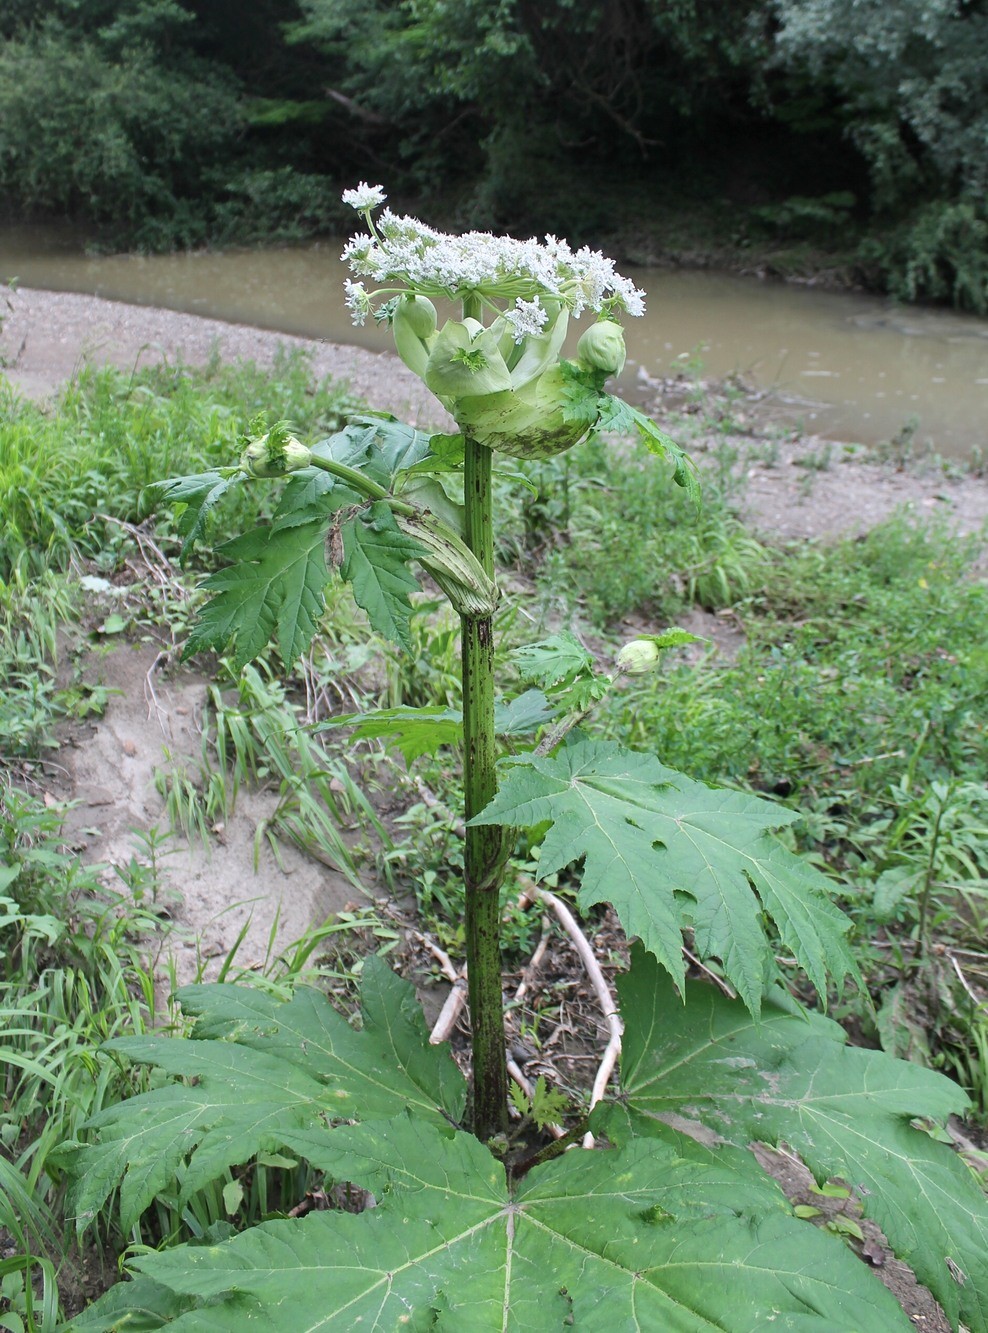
[[602, 347], [638, 657], [274, 454]]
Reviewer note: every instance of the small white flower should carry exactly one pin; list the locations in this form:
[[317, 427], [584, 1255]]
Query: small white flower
[[357, 300], [528, 318], [365, 196]]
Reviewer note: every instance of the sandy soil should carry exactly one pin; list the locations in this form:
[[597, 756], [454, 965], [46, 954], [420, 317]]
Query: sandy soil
[[209, 894], [47, 336]]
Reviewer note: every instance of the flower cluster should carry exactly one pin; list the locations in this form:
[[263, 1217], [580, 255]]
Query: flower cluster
[[407, 252]]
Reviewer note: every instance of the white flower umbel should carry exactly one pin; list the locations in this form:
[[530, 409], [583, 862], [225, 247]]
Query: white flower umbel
[[365, 197], [402, 254], [358, 301], [527, 318]]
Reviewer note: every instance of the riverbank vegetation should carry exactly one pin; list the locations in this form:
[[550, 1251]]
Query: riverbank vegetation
[[846, 682], [810, 138]]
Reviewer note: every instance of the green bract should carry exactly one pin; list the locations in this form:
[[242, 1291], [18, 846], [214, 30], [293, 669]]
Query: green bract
[[529, 422], [465, 359]]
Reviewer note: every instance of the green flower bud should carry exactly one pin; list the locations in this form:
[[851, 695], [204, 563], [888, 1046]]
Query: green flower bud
[[414, 329], [638, 657], [418, 313], [602, 347], [274, 454]]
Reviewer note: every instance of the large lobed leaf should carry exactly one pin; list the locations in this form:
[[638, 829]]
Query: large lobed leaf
[[644, 1237], [272, 590], [790, 1077], [262, 1068], [194, 498], [669, 852], [375, 563]]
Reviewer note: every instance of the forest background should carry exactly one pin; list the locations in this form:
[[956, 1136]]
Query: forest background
[[824, 138]]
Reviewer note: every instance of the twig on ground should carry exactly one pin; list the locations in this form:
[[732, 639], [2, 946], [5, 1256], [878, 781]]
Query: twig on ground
[[604, 996], [163, 659], [964, 981], [155, 561], [450, 1011], [457, 997]]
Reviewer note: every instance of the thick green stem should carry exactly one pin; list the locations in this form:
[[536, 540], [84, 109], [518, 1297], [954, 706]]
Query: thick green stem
[[483, 853], [372, 489]]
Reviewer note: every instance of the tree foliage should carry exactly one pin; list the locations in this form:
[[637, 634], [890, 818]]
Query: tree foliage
[[174, 122]]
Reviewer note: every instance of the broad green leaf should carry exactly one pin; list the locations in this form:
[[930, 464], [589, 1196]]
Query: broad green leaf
[[273, 589], [263, 1068], [377, 444], [635, 1238], [445, 455], [194, 497], [418, 731], [312, 495], [523, 714], [138, 1306], [554, 660], [375, 562], [669, 853], [791, 1078]]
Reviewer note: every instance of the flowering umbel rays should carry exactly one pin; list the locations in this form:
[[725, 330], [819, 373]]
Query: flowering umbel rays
[[500, 376]]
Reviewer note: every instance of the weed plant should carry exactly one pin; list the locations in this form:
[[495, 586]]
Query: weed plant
[[858, 696], [477, 1219]]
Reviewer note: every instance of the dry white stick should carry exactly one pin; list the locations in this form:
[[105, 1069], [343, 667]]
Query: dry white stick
[[450, 1011], [440, 955], [155, 709], [514, 1069], [457, 997], [963, 980], [606, 1000]]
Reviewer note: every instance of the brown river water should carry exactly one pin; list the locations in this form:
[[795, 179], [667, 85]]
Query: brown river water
[[846, 367]]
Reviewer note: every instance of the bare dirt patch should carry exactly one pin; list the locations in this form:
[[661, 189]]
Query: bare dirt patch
[[210, 891]]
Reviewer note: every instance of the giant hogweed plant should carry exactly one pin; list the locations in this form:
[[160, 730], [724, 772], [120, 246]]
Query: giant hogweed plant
[[672, 1225]]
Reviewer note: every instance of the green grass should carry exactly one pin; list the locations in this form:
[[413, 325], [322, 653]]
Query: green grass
[[112, 434], [77, 957]]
